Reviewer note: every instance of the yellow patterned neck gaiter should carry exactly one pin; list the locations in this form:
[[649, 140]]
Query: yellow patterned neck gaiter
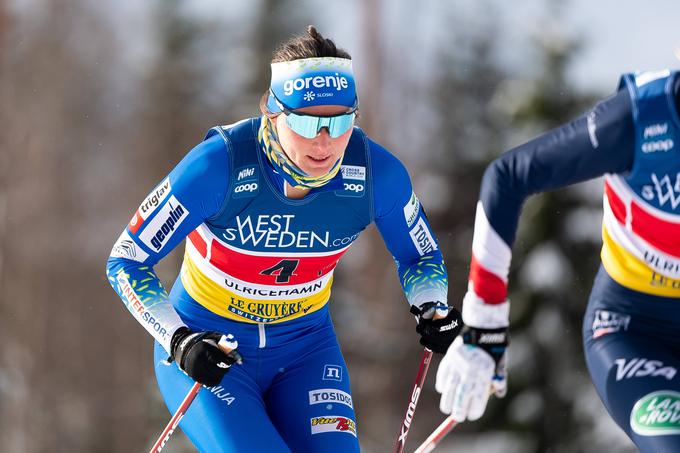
[[297, 178]]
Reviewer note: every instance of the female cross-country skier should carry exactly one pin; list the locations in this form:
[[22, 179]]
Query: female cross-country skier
[[268, 206]]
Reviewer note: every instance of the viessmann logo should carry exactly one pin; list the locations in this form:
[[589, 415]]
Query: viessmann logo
[[663, 189]]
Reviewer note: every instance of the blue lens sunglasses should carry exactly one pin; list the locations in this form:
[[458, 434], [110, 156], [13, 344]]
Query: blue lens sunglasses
[[309, 126]]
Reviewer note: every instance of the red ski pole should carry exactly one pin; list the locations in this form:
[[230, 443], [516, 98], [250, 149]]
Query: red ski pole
[[174, 421], [437, 435], [415, 395]]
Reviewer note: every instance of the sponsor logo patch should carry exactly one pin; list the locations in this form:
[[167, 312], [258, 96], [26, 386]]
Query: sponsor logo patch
[[422, 239], [608, 322], [354, 181], [125, 247], [353, 187], [657, 137], [333, 423], [303, 83], [654, 130], [657, 145], [353, 172], [247, 182], [492, 338], [641, 367], [332, 373], [159, 231], [657, 414], [149, 205], [411, 209], [274, 231], [323, 396], [262, 311], [245, 174], [664, 190], [247, 189]]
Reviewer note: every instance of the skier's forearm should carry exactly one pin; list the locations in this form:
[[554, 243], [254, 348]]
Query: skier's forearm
[[144, 296]]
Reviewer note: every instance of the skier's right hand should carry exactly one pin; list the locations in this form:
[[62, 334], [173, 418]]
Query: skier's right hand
[[204, 356], [472, 370]]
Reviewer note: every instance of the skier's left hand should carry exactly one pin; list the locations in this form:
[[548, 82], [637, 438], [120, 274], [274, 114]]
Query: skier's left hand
[[438, 325], [472, 370]]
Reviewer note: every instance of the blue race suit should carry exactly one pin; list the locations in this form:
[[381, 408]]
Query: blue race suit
[[633, 316], [260, 266]]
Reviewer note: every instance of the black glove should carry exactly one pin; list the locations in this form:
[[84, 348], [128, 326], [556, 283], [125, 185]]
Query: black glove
[[493, 341], [437, 334], [198, 355]]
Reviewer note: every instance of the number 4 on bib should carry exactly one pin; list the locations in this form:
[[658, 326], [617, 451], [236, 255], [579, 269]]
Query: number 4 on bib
[[283, 270]]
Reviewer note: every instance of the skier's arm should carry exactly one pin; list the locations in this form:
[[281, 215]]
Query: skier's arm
[[193, 192], [402, 222], [598, 142]]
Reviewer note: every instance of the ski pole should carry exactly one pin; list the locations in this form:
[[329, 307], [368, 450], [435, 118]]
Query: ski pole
[[437, 435], [174, 421], [228, 345], [415, 395]]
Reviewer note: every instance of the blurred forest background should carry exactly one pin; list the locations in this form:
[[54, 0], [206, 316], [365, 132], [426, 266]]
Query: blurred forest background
[[99, 100]]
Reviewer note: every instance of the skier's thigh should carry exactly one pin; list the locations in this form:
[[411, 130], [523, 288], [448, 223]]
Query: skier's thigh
[[638, 382], [311, 405], [230, 417]]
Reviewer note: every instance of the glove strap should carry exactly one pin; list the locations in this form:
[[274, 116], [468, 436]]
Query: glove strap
[[428, 309], [177, 338], [493, 341]]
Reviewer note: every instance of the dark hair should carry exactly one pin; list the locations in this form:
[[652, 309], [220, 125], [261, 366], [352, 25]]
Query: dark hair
[[311, 45]]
